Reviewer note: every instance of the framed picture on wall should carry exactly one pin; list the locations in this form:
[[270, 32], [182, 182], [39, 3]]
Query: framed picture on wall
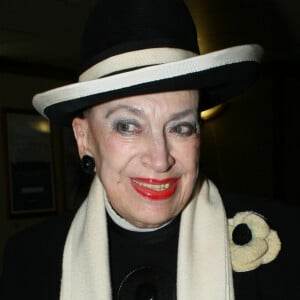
[[29, 162]]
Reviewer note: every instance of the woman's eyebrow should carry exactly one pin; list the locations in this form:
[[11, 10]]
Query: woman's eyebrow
[[133, 110]]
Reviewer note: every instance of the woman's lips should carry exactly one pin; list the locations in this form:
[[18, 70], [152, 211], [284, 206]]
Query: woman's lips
[[155, 189]]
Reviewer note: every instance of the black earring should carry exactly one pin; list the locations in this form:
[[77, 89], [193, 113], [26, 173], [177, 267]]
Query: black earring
[[88, 164]]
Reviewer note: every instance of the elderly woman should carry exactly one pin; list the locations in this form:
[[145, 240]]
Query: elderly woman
[[151, 226]]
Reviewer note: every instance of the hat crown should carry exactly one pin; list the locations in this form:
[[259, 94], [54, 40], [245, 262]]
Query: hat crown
[[116, 27]]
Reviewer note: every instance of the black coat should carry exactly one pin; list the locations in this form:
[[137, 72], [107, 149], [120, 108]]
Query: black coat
[[33, 258]]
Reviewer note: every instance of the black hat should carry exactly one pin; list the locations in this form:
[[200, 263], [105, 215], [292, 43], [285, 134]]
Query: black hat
[[136, 47]]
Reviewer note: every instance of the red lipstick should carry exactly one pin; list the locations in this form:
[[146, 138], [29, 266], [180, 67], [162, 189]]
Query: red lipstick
[[155, 189]]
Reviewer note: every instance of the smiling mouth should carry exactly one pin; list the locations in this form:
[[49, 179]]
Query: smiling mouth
[[155, 189]]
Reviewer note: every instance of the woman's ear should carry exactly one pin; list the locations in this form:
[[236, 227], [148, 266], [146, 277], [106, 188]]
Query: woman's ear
[[80, 130]]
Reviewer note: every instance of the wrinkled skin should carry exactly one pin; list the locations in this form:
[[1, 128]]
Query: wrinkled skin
[[154, 136]]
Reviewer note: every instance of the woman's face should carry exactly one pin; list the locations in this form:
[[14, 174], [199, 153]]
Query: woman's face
[[146, 150]]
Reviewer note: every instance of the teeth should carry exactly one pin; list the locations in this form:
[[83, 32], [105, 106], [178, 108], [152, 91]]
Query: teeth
[[155, 187]]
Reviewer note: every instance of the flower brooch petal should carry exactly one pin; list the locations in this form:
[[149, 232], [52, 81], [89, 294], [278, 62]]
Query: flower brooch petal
[[252, 241]]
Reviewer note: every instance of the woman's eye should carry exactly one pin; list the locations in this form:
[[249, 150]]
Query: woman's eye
[[127, 127], [185, 129]]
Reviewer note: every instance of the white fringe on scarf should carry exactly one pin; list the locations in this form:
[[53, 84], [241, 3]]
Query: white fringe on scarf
[[204, 268]]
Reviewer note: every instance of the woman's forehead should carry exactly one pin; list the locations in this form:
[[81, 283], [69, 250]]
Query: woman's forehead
[[143, 104]]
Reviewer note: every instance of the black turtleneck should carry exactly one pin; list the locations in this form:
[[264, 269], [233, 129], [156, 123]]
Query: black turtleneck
[[143, 264]]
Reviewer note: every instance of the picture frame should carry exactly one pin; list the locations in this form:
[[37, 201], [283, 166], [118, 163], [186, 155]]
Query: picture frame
[[29, 163]]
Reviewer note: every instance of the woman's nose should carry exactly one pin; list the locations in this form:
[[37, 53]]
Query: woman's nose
[[157, 155]]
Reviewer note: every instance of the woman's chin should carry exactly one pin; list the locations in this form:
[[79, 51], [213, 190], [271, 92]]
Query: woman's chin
[[146, 221]]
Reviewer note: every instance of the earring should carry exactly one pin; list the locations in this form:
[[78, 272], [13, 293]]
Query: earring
[[88, 164]]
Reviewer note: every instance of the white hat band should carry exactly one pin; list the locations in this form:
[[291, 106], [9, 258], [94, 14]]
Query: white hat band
[[135, 59]]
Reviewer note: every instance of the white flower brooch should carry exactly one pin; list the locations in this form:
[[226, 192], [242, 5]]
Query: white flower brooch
[[252, 241]]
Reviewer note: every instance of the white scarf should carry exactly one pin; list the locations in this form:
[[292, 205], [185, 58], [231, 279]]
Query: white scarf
[[203, 270]]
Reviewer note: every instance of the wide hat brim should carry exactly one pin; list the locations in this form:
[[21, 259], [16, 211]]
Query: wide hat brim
[[221, 75]]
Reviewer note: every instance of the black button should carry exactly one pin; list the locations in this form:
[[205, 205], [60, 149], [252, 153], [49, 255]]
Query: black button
[[241, 234]]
